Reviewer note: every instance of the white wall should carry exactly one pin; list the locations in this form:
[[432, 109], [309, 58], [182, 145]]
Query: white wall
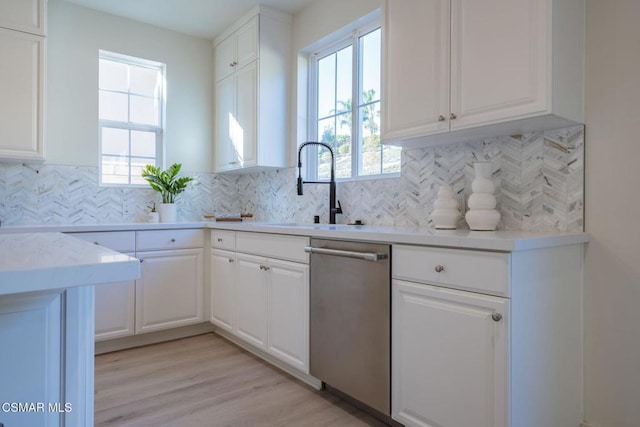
[[612, 274], [75, 35], [318, 20]]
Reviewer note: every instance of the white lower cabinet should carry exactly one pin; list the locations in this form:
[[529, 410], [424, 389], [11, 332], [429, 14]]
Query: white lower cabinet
[[487, 339], [223, 276], [450, 358], [251, 300], [115, 309], [170, 291], [288, 312], [262, 300]]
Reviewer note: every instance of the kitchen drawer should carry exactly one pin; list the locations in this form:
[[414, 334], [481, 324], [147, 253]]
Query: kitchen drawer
[[169, 239], [478, 271], [121, 241], [273, 246], [223, 239]]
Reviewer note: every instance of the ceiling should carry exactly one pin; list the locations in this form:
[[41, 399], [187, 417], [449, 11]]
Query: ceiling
[[199, 18]]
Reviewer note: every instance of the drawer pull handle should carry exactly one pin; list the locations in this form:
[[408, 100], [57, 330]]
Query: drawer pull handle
[[173, 240], [496, 317], [219, 239], [439, 268]]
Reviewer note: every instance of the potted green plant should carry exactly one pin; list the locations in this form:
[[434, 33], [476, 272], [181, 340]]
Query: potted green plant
[[169, 185]]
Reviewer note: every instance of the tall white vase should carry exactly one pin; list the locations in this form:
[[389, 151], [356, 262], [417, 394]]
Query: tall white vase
[[168, 212], [445, 215], [482, 214]]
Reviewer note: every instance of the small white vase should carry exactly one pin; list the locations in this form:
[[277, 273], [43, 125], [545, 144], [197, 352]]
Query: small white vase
[[482, 215], [168, 212], [445, 215]]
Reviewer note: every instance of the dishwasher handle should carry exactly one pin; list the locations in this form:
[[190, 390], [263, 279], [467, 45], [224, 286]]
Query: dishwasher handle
[[367, 256]]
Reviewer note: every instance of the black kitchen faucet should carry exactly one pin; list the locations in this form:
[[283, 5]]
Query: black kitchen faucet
[[333, 209]]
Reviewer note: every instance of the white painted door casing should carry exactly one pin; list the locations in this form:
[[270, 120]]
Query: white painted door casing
[[170, 291], [450, 357]]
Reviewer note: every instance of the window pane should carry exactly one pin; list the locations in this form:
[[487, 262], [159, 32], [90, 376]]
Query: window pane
[[113, 75], [137, 165], [113, 106], [144, 81], [371, 159], [144, 110], [327, 86], [342, 146], [326, 133], [115, 141], [344, 78], [115, 170], [370, 72], [143, 144]]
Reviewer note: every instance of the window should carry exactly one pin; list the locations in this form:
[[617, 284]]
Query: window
[[131, 100], [347, 71]]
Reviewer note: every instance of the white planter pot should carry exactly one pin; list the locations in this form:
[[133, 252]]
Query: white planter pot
[[168, 212]]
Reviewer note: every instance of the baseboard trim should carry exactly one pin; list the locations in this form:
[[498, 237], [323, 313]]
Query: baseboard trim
[[305, 378], [586, 425], [124, 343]]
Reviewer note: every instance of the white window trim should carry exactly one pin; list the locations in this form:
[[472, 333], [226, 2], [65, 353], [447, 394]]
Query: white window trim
[[311, 157], [158, 130]]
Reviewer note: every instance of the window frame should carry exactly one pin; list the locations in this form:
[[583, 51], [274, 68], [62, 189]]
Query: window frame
[[311, 157], [130, 126]]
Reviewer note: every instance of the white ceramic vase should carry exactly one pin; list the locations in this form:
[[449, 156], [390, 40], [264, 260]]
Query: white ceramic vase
[[445, 215], [482, 214], [167, 212]]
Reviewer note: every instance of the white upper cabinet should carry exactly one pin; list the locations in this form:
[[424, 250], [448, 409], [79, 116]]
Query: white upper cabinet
[[24, 15], [417, 108], [457, 70], [22, 79], [237, 50], [252, 69]]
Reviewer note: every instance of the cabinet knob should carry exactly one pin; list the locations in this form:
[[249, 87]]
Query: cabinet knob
[[496, 317], [96, 243], [452, 116], [219, 239], [231, 64], [173, 240], [231, 260], [141, 260], [439, 268], [441, 118]]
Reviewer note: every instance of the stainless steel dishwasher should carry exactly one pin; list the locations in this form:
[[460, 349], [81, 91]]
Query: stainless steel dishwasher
[[350, 319]]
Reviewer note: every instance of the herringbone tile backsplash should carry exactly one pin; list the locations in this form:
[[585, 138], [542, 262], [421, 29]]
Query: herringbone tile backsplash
[[539, 176]]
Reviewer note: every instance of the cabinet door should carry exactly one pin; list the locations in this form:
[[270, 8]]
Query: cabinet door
[[23, 15], [225, 123], [115, 309], [415, 98], [22, 101], [450, 357], [498, 60], [251, 300], [288, 311], [223, 278], [247, 43], [170, 291], [225, 57], [244, 134]]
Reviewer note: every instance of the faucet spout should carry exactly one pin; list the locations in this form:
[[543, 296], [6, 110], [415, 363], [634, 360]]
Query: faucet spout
[[333, 209]]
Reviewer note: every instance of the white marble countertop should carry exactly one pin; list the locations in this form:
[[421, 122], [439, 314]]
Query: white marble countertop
[[506, 241], [501, 240], [44, 261]]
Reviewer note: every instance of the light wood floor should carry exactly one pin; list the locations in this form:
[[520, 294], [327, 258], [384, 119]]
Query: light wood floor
[[206, 381]]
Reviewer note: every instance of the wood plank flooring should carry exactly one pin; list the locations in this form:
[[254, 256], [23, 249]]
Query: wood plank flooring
[[207, 381]]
